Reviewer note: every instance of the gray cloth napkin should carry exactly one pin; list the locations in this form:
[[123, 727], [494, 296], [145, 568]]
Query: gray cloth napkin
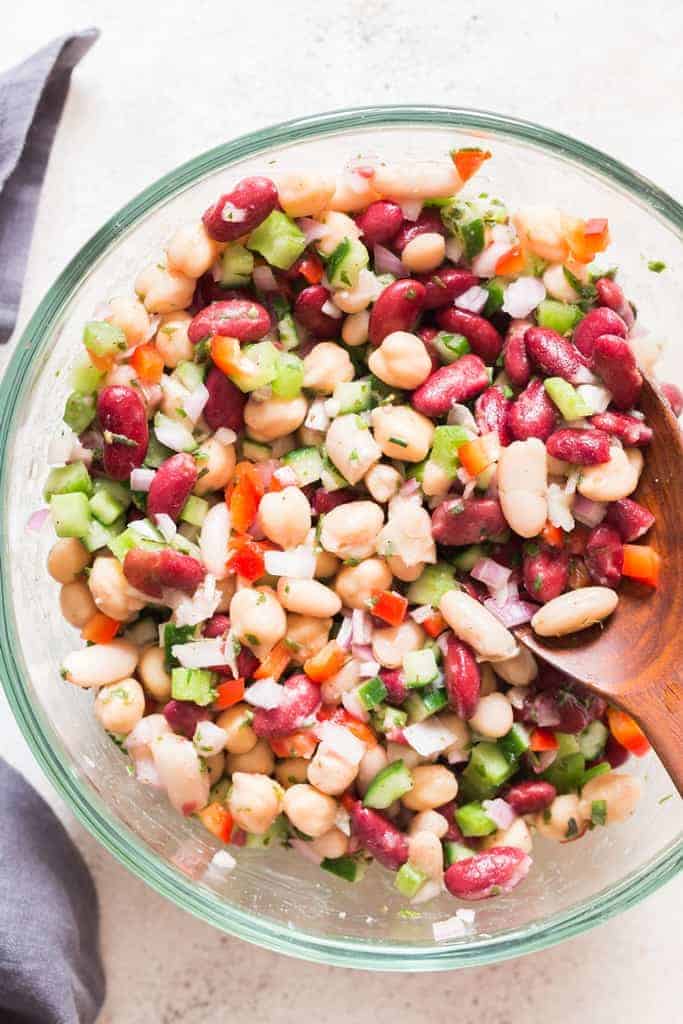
[[32, 97]]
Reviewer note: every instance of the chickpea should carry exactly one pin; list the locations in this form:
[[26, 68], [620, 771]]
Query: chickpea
[[285, 517], [429, 821], [254, 802], [276, 417], [219, 462], [306, 636], [67, 559], [493, 716], [257, 619], [406, 573], [128, 313], [350, 531], [426, 854], [488, 682], [163, 290], [326, 565], [353, 198], [356, 584], [402, 433], [355, 329], [351, 447], [236, 722], [332, 844], [304, 193], [517, 834], [325, 366], [355, 300], [372, 762], [307, 597], [620, 792], [191, 252], [520, 670], [312, 812], [111, 591], [389, 645], [216, 767], [341, 682], [383, 482], [433, 786], [424, 253], [338, 227], [401, 361], [259, 760], [172, 342], [541, 229], [291, 771], [460, 730], [329, 772], [435, 480], [562, 819], [400, 752], [120, 706], [153, 675], [76, 603], [407, 534]]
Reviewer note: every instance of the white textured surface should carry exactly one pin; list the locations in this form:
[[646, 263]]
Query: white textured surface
[[167, 81]]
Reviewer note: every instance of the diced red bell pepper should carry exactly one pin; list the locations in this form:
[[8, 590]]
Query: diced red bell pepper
[[543, 739], [243, 496], [100, 629], [389, 607], [274, 664], [552, 535], [148, 363], [218, 820], [642, 563], [627, 732], [511, 262], [468, 160], [301, 743], [247, 560], [228, 693], [326, 662]]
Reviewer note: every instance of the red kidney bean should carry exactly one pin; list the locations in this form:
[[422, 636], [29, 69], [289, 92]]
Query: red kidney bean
[[324, 501], [610, 294], [122, 414], [456, 382], [380, 222], [151, 571], [256, 196], [554, 355], [604, 556], [459, 521], [596, 323], [445, 284], [515, 356], [236, 318], [532, 414], [208, 291], [530, 796], [615, 362], [546, 573], [379, 836], [629, 429], [308, 310], [427, 335], [217, 625], [462, 677], [484, 339], [172, 486], [183, 716], [487, 874], [491, 411], [397, 309], [578, 574], [454, 835], [247, 663], [301, 698], [476, 590], [581, 447], [674, 397], [225, 404], [615, 754], [395, 681], [629, 519], [429, 222], [566, 710]]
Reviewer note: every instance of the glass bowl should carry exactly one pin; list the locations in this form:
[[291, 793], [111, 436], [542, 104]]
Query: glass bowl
[[276, 899]]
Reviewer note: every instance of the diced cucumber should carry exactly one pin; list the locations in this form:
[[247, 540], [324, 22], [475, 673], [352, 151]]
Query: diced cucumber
[[99, 536], [416, 470], [385, 718], [422, 705], [496, 289], [558, 316], [278, 832], [571, 404], [467, 558], [592, 773], [194, 510], [409, 880], [487, 770], [353, 396], [592, 740], [86, 378], [351, 869], [287, 332], [123, 543], [255, 451], [70, 514], [237, 265], [178, 437], [567, 743], [190, 375], [388, 785], [278, 240], [172, 635], [473, 820], [195, 684], [433, 582], [104, 339], [453, 852], [450, 346], [105, 508], [445, 446], [566, 774], [157, 453], [330, 477], [473, 237], [371, 693], [289, 377], [306, 463], [118, 491], [346, 263], [67, 480], [420, 668], [515, 743], [79, 411], [264, 357], [182, 543]]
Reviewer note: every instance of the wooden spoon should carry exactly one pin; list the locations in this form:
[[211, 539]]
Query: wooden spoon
[[635, 659]]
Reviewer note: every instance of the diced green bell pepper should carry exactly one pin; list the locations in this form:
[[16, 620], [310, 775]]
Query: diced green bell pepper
[[195, 684], [567, 399], [558, 316]]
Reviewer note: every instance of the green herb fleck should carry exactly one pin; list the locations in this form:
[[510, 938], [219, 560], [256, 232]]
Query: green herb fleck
[[399, 441], [572, 828], [656, 266], [599, 812]]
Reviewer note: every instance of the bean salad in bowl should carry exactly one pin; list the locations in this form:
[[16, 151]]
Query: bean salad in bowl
[[346, 434]]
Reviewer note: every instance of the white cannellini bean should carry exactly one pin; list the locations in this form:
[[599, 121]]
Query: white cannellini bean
[[520, 670], [356, 584], [433, 786], [101, 664], [562, 819], [475, 624], [620, 791], [426, 854], [417, 179], [425, 252], [523, 486], [408, 535], [389, 645], [307, 597], [575, 610], [351, 447], [429, 821], [612, 480], [180, 771], [493, 716], [214, 538], [254, 802], [517, 834], [329, 772]]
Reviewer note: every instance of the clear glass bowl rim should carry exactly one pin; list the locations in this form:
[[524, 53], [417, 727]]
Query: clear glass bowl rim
[[87, 806]]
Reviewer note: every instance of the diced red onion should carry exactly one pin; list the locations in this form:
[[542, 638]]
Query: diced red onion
[[459, 415], [37, 519], [217, 272], [154, 322], [146, 771], [522, 296], [545, 759], [312, 229], [233, 214], [429, 890], [343, 637], [174, 435], [305, 849], [264, 279], [230, 653], [457, 756], [352, 703], [285, 476], [145, 529], [141, 479], [200, 653], [513, 613], [299, 563], [499, 811], [317, 417], [490, 573], [421, 614], [473, 300], [454, 249], [484, 265], [546, 711], [411, 209], [517, 696], [330, 309], [265, 693], [386, 262], [343, 820], [145, 733], [167, 528], [60, 446], [429, 737], [190, 611], [368, 669], [361, 652], [342, 741], [222, 863], [79, 453], [559, 508], [588, 512], [225, 436], [597, 397], [450, 928], [362, 627], [213, 540], [209, 738], [409, 488], [442, 641]]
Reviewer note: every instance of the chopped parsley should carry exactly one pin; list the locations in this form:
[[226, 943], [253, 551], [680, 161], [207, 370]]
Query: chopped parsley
[[252, 639], [399, 441], [599, 812], [572, 828], [656, 266], [112, 438]]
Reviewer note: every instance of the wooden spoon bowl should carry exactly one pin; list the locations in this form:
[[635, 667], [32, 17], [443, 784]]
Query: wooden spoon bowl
[[635, 659]]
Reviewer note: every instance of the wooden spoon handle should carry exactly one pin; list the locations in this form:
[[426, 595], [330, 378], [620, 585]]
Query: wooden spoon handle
[[660, 716]]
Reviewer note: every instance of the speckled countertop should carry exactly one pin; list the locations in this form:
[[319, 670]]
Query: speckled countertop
[[167, 81]]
